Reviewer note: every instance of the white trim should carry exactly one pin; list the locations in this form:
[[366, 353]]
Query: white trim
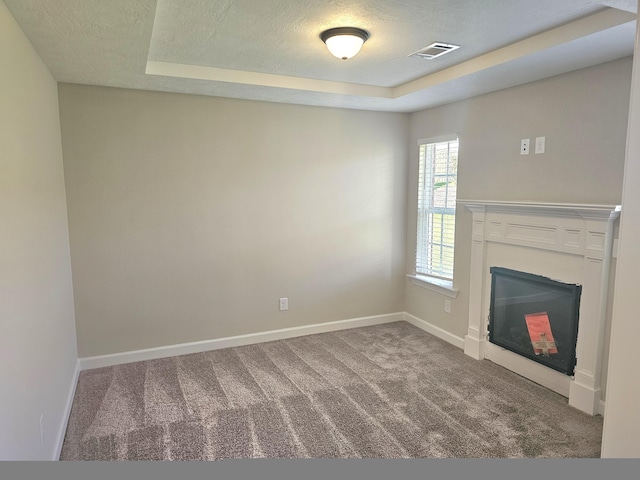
[[584, 397], [88, 363], [434, 330], [244, 77], [440, 138], [578, 210], [67, 413], [444, 287], [540, 374], [601, 408], [474, 346]]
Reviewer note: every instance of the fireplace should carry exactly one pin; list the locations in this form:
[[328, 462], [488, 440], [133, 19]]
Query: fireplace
[[569, 243], [535, 316]]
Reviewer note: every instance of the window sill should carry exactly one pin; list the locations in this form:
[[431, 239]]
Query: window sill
[[444, 287]]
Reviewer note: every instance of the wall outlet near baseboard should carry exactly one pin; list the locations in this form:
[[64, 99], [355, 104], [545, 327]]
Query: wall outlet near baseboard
[[284, 304], [447, 306]]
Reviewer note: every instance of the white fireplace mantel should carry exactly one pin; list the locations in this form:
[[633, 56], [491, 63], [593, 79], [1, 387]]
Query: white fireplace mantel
[[571, 243]]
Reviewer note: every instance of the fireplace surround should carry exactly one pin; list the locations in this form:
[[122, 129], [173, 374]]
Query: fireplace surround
[[566, 242]]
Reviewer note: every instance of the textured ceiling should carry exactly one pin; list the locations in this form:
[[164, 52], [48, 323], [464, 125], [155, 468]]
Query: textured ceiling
[[270, 49]]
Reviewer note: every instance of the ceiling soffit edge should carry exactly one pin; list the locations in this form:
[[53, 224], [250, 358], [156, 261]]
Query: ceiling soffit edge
[[582, 27]]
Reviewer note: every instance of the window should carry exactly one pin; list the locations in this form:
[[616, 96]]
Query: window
[[437, 177]]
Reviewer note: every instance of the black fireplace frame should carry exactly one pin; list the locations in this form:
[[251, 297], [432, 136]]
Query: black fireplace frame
[[568, 367]]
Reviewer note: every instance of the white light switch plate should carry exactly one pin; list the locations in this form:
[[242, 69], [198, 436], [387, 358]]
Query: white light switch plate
[[540, 144]]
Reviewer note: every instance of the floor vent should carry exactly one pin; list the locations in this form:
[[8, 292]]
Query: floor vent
[[436, 49]]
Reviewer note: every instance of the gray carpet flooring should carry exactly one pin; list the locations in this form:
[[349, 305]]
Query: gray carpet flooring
[[386, 391]]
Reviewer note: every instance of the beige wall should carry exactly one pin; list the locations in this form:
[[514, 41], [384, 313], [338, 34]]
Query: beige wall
[[583, 116], [37, 340], [191, 216]]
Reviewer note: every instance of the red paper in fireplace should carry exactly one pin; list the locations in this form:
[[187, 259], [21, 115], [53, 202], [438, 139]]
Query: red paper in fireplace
[[540, 334]]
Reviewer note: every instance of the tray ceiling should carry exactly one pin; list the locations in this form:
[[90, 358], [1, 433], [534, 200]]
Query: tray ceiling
[[270, 50]]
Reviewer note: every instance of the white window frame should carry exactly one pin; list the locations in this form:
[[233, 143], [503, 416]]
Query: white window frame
[[440, 284]]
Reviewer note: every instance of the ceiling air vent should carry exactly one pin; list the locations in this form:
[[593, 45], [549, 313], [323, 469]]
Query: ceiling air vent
[[436, 49]]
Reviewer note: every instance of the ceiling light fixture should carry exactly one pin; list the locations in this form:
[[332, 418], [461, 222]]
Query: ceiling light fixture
[[344, 42]]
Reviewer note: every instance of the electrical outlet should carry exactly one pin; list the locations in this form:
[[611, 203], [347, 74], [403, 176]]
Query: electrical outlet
[[540, 144], [447, 306], [42, 429], [284, 304], [524, 146]]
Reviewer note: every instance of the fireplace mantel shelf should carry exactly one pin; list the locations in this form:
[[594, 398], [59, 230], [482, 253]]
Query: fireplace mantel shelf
[[576, 210]]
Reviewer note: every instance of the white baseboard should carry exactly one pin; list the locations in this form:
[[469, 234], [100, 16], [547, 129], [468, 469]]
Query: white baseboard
[[67, 412], [584, 397], [435, 331], [88, 363]]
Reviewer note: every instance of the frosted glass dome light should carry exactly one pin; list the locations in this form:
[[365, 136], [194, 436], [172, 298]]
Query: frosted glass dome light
[[344, 42]]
